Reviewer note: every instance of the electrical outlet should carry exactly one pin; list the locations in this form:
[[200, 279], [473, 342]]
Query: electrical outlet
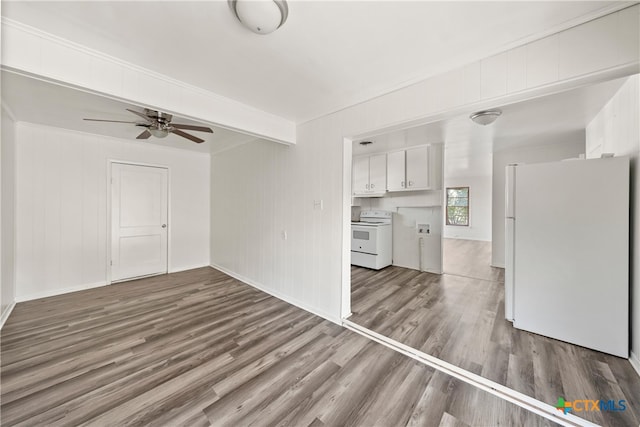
[[424, 229], [318, 205]]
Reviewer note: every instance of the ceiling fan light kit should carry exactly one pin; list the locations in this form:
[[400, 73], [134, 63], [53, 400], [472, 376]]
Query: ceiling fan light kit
[[486, 117], [159, 124], [158, 132], [260, 16]]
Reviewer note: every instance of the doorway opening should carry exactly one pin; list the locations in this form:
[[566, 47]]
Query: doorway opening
[[459, 317]]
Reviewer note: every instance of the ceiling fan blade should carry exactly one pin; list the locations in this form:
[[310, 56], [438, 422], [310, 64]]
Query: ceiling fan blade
[[186, 135], [110, 121], [191, 127], [139, 114], [144, 135]]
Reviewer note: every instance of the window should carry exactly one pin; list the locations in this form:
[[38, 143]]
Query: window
[[458, 206]]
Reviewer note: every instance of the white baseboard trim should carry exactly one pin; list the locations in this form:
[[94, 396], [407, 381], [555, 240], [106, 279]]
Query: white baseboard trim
[[426, 270], [634, 359], [278, 295], [6, 314], [529, 403], [477, 239], [181, 269], [55, 292]]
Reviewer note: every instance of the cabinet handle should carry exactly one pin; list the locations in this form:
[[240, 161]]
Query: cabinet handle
[[367, 186], [410, 183], [372, 185], [402, 184]]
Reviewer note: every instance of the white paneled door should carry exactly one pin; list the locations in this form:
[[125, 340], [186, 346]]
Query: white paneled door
[[138, 221]]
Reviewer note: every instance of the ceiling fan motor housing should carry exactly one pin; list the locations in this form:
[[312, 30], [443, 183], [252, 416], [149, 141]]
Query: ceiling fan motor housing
[[158, 116]]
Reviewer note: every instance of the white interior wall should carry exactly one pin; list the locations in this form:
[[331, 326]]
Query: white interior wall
[[262, 190], [61, 211], [479, 208], [410, 208], [418, 251], [394, 200], [549, 150], [397, 140], [312, 262], [7, 214], [616, 129]]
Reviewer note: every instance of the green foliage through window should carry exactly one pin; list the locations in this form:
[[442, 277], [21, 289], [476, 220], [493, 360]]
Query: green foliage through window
[[458, 206]]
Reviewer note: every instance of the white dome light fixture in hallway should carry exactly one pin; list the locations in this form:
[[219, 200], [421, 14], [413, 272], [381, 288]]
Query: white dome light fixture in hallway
[[485, 117], [260, 16]]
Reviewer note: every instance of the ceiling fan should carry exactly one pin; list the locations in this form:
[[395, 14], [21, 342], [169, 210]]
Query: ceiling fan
[[159, 125]]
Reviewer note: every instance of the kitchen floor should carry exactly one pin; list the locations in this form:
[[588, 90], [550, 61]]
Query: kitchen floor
[[470, 258], [459, 318]]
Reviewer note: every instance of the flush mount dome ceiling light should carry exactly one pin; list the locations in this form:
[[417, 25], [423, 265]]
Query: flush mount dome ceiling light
[[485, 117], [260, 16]]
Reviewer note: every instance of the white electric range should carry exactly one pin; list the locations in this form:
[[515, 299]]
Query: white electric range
[[371, 240]]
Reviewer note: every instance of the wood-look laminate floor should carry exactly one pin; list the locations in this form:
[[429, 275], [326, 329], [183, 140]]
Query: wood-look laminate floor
[[460, 319], [470, 258], [200, 348]]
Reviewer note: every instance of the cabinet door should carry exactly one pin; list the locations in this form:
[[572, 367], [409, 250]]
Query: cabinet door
[[378, 173], [418, 168], [395, 171], [360, 182]]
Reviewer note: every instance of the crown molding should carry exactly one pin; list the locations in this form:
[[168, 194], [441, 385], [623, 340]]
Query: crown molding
[[8, 22], [248, 111]]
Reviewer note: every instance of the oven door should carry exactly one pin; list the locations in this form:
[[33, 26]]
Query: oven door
[[364, 239]]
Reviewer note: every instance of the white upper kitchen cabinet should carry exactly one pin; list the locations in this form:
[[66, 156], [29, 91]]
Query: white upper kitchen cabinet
[[395, 171], [378, 173], [369, 175], [360, 182], [408, 169], [417, 170]]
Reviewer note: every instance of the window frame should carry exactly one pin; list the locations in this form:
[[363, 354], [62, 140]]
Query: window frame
[[447, 206]]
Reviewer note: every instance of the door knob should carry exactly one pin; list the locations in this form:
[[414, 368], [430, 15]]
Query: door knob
[[164, 225]]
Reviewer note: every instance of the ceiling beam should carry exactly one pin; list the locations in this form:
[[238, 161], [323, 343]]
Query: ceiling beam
[[29, 51]]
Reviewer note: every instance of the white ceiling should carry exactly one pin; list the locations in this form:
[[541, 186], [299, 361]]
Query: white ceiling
[[35, 101], [328, 55], [469, 147]]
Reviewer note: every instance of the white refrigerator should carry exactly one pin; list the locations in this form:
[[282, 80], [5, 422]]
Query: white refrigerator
[[567, 251]]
